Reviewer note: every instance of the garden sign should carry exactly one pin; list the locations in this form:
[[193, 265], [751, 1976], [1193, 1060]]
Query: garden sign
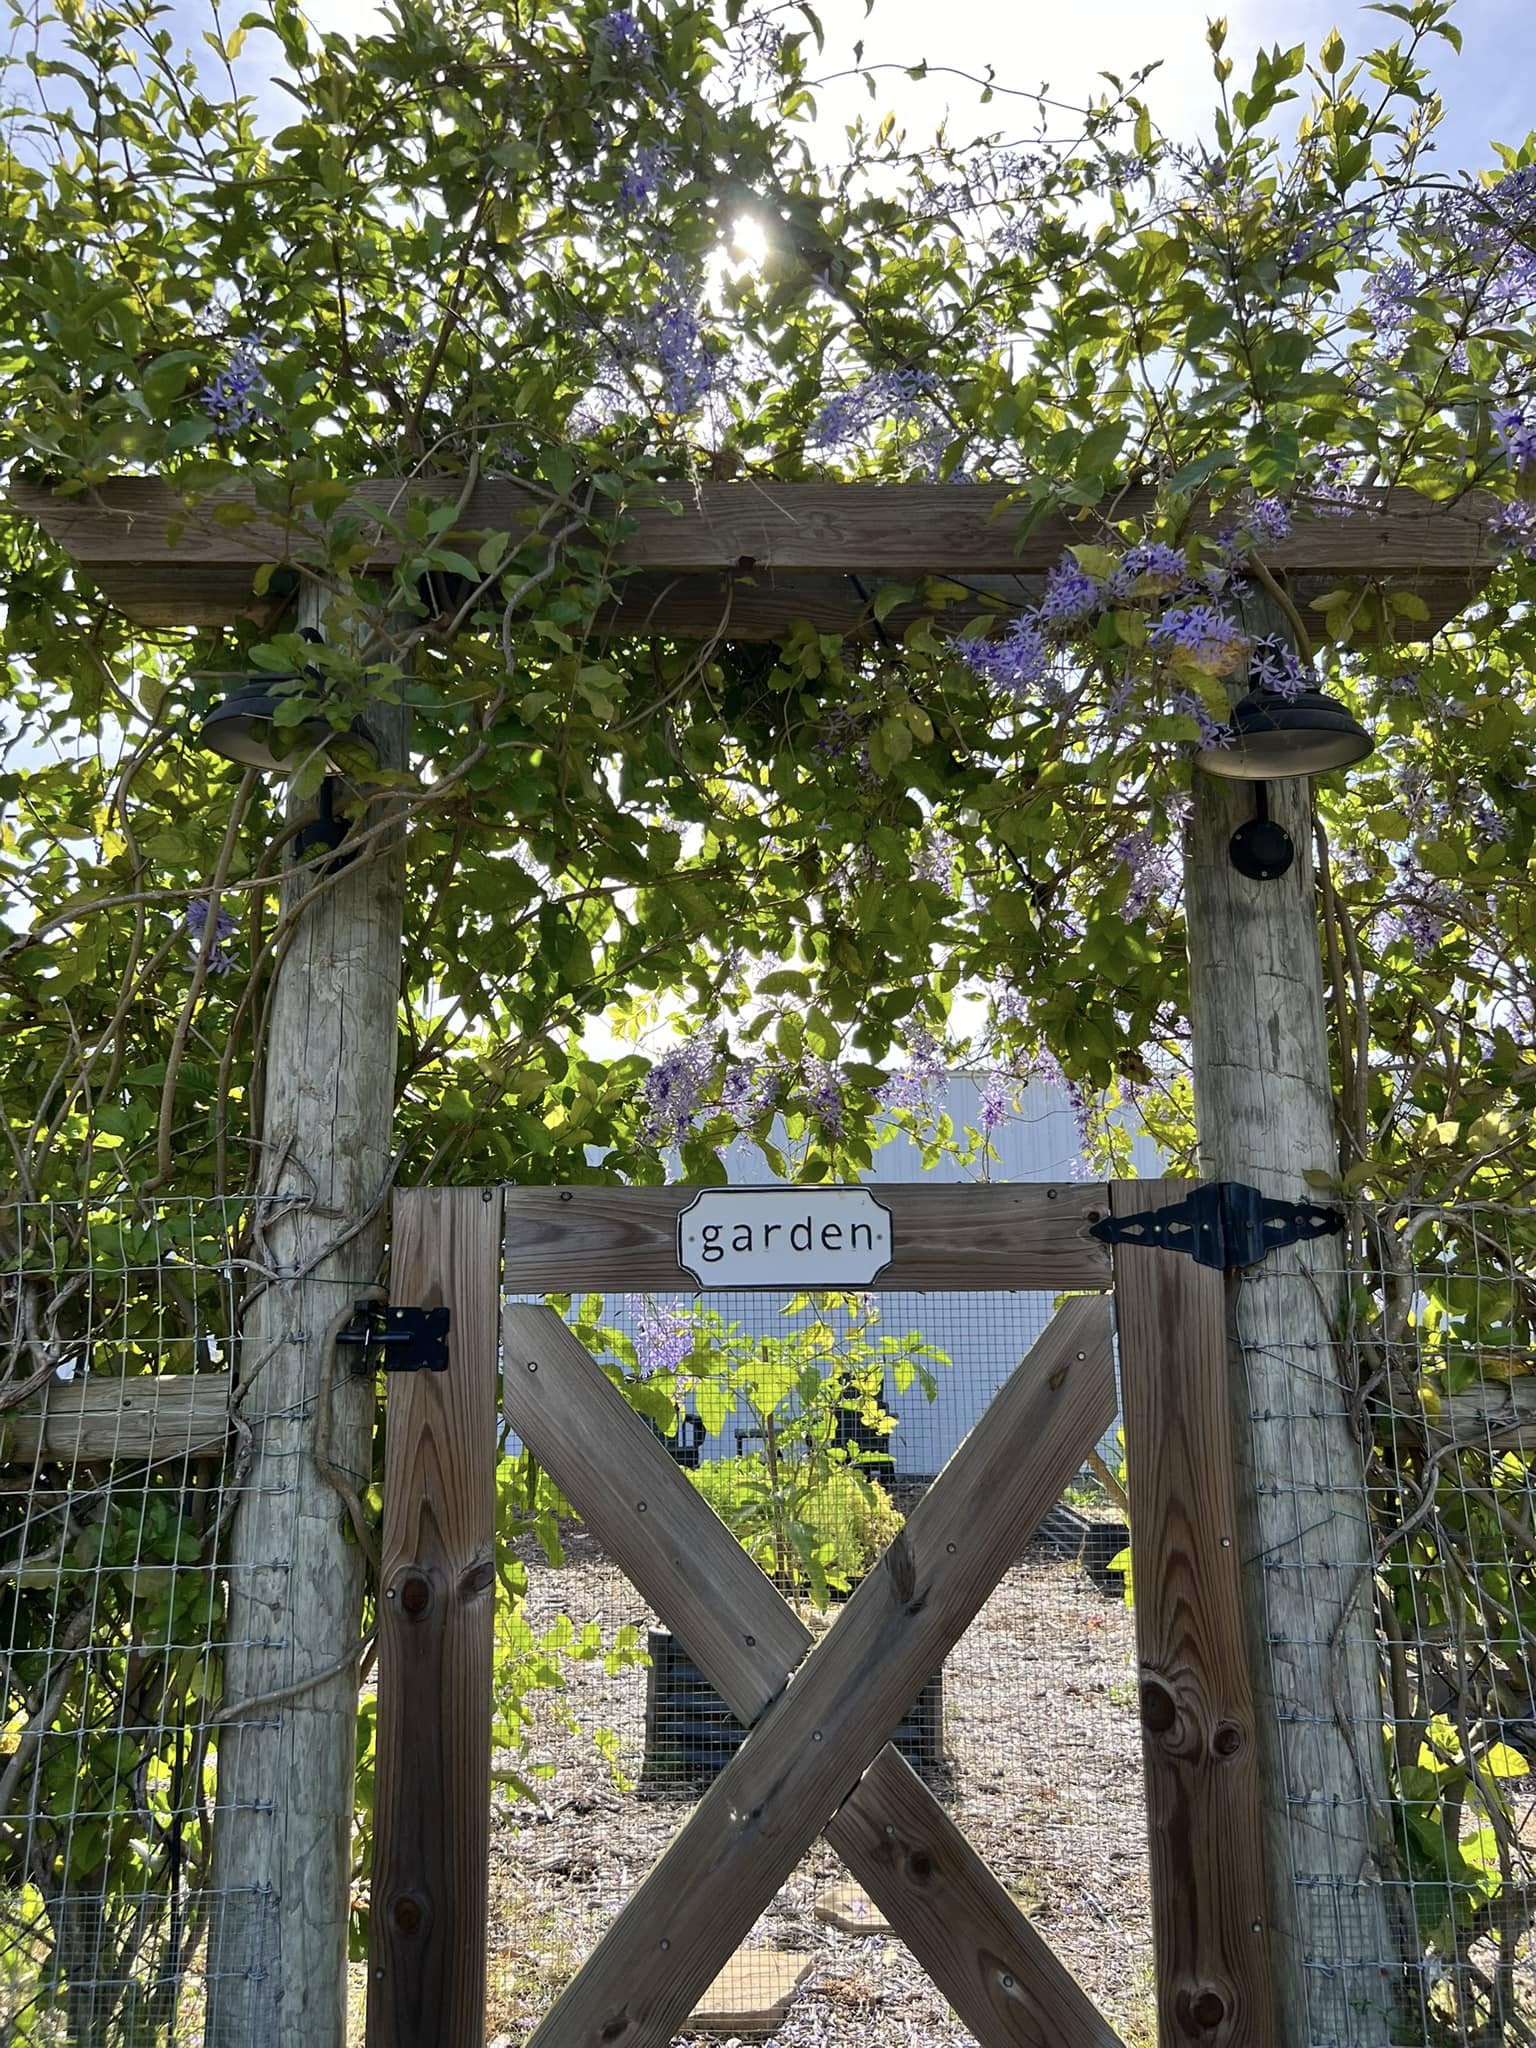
[[784, 1237]]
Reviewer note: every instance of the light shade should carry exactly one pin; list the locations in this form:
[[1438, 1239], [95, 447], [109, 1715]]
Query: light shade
[[1274, 736], [241, 727]]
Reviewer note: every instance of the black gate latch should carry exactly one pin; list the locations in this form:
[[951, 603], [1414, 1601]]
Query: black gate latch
[[383, 1337], [1223, 1223]]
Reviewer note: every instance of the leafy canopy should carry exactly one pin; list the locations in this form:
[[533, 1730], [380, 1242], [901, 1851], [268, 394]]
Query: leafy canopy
[[496, 241]]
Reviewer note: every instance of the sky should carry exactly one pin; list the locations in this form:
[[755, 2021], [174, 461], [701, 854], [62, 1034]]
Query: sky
[[1490, 89]]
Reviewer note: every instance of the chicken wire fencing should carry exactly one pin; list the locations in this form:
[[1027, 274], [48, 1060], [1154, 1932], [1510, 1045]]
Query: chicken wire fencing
[[813, 1424], [1400, 1578], [118, 1482]]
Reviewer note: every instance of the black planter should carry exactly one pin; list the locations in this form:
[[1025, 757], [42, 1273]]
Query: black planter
[[691, 1734]]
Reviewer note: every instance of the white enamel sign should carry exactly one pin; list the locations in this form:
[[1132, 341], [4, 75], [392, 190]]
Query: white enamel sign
[[784, 1237]]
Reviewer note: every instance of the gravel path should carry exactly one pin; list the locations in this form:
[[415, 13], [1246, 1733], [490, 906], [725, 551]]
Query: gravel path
[[1042, 1772]]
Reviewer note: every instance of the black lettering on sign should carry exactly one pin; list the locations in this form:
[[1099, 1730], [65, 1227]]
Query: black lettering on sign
[[831, 1237], [713, 1249], [868, 1242]]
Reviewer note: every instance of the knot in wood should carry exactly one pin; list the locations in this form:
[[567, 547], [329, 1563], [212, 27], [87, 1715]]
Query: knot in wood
[[1159, 1709], [902, 1566], [477, 1579], [1228, 1741], [1200, 2010], [407, 1914], [415, 1595]]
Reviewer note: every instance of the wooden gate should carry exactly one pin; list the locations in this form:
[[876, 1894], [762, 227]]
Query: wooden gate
[[819, 1761]]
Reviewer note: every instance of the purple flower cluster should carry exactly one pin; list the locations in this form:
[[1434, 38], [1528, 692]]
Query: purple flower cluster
[[1488, 822], [1422, 926], [884, 395], [1269, 521], [1016, 664], [1153, 873], [195, 924], [996, 1103], [1334, 489], [230, 401], [1275, 665], [756, 46], [1388, 292], [935, 861], [749, 1091], [1071, 595], [673, 1089], [1202, 636], [841, 730], [640, 179], [916, 1086], [824, 1091], [624, 36], [671, 338], [1513, 527], [1150, 569], [663, 1335], [1211, 730], [1517, 437]]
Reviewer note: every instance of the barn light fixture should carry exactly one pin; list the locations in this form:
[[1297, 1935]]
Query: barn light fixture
[[1274, 734], [243, 725]]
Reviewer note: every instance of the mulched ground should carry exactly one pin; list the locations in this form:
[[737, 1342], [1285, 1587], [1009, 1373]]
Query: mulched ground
[[1042, 1772]]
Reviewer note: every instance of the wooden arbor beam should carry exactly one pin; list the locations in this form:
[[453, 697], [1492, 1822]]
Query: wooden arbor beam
[[743, 560]]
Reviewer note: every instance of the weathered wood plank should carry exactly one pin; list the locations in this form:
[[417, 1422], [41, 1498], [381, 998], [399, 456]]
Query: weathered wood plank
[[1210, 1915], [427, 1933], [1016, 1235], [885, 529], [1493, 1415], [752, 1994], [999, 1974], [981, 1951], [148, 1419], [694, 605], [817, 1740]]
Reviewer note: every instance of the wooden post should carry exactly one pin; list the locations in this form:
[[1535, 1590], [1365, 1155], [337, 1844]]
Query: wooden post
[[286, 1758], [1205, 1846], [432, 1785], [1264, 1108]]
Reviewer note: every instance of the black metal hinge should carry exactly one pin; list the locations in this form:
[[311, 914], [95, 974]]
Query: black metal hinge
[[389, 1339], [1224, 1224]]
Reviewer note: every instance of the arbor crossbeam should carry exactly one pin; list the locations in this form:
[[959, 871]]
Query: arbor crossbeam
[[744, 561]]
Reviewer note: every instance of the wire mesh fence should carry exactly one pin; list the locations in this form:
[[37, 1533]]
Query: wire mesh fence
[[813, 1425], [118, 1479], [1419, 1547]]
